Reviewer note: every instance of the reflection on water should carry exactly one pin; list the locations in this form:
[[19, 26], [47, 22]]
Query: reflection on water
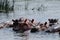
[[9, 34]]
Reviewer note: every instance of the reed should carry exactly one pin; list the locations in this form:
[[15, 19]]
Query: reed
[[5, 6]]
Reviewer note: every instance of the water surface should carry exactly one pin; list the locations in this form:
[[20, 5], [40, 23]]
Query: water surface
[[48, 9]]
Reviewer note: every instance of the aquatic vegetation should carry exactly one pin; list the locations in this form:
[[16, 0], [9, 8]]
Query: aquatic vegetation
[[5, 6]]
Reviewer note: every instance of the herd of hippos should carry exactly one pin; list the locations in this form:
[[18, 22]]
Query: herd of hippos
[[24, 24]]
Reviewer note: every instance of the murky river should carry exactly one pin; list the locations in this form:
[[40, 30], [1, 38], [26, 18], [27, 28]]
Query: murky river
[[42, 10]]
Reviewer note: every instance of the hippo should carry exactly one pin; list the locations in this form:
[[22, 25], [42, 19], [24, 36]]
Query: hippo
[[21, 26], [53, 29], [52, 21]]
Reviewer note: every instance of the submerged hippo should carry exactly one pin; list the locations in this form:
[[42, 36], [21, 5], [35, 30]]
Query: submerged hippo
[[53, 29], [52, 21]]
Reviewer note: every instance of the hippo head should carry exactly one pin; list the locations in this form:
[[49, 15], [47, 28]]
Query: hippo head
[[53, 20], [15, 22]]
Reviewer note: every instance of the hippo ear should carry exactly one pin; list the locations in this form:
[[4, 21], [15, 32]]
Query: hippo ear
[[13, 20], [48, 19]]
